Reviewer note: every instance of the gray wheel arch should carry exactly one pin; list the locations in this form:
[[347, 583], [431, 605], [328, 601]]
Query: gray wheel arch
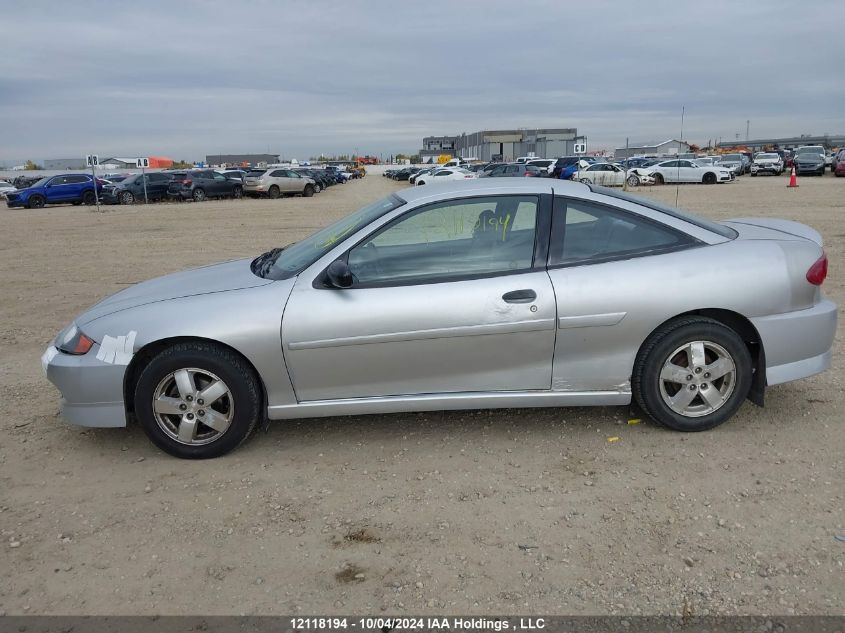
[[746, 331], [143, 356]]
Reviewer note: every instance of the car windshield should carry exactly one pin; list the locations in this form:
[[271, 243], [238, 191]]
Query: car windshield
[[255, 173], [731, 158], [39, 183], [768, 156], [296, 257], [809, 150]]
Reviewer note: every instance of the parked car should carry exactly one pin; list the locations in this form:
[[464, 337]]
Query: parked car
[[605, 174], [684, 170], [442, 175], [6, 187], [273, 183], [567, 161], [73, 188], [733, 163], [839, 168], [412, 179], [513, 170], [131, 189], [545, 164], [809, 160], [405, 174], [767, 163], [321, 179], [200, 184], [530, 292], [233, 174]]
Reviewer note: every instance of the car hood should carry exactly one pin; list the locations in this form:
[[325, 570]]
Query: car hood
[[232, 275]]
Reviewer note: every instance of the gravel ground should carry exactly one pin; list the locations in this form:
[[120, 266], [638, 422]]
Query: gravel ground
[[465, 512]]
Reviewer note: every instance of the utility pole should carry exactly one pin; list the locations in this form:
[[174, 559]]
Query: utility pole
[[747, 127]]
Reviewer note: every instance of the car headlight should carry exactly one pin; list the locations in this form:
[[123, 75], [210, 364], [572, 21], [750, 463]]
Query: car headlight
[[73, 341]]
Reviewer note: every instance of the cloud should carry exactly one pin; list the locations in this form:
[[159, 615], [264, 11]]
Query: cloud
[[190, 78]]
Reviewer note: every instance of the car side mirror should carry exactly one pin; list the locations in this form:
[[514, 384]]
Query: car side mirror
[[339, 275]]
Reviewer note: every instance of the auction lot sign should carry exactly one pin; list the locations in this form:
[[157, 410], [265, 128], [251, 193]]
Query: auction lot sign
[[422, 623]]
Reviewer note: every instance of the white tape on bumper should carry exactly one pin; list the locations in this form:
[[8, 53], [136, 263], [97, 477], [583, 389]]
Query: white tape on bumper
[[48, 355]]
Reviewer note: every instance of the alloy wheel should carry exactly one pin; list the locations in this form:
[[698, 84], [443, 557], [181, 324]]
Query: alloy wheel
[[697, 379], [193, 406]]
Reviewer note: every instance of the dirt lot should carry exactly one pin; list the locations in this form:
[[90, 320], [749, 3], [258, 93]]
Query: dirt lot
[[468, 512]]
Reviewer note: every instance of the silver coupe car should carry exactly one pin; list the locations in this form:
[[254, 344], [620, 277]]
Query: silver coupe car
[[462, 295]]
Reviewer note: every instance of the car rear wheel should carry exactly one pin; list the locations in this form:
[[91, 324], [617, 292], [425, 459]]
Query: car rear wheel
[[35, 202], [198, 195], [238, 193], [198, 400], [89, 198], [127, 198], [692, 374], [308, 191], [273, 192]]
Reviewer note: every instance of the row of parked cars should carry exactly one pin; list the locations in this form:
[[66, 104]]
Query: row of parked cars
[[633, 171], [191, 184]]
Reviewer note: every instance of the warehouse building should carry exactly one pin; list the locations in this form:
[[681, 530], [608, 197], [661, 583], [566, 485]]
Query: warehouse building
[[503, 145], [666, 148], [241, 160], [64, 163]]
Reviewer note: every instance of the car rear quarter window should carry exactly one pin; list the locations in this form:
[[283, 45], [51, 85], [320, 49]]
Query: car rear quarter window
[[586, 232]]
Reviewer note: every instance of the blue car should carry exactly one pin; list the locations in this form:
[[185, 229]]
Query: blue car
[[74, 188]]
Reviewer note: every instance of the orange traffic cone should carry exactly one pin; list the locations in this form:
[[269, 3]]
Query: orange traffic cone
[[793, 179]]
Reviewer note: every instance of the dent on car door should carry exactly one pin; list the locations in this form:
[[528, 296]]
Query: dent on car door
[[605, 265], [446, 298]]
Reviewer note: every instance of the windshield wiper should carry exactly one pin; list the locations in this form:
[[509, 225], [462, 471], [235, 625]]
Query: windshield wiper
[[262, 264]]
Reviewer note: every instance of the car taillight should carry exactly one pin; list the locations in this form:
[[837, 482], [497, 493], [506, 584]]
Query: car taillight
[[818, 271]]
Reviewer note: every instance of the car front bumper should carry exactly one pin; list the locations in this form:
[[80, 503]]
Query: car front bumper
[[797, 344], [16, 203], [92, 390]]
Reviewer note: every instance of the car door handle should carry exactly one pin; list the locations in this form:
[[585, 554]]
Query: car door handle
[[520, 296]]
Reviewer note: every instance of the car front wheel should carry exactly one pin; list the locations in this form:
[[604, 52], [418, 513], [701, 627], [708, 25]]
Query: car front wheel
[[692, 374], [198, 400], [35, 202]]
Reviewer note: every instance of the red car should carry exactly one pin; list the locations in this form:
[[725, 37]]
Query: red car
[[839, 163]]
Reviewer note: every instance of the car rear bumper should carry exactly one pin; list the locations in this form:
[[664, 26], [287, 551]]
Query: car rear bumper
[[798, 344], [92, 390]]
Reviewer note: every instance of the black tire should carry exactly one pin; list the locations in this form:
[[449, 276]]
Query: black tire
[[646, 382], [88, 198], [35, 202], [198, 194], [127, 197], [238, 193], [234, 371], [709, 178], [308, 191], [273, 192], [587, 181], [658, 179], [76, 203]]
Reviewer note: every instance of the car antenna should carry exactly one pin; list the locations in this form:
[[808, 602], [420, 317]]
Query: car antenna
[[680, 140]]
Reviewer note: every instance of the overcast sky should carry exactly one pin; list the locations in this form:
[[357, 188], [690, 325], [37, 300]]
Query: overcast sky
[[185, 79]]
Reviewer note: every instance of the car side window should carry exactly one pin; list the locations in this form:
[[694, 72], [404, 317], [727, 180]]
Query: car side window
[[585, 232], [277, 174], [58, 180], [448, 240], [219, 176]]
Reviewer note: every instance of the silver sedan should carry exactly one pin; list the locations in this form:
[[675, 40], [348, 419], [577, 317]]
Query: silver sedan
[[461, 295]]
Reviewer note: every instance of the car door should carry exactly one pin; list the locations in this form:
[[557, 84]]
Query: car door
[[447, 298], [59, 189], [602, 261], [157, 185], [669, 171], [615, 176], [689, 171], [220, 184]]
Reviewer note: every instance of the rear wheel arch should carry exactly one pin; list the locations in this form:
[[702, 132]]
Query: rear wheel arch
[[143, 356], [746, 331]]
